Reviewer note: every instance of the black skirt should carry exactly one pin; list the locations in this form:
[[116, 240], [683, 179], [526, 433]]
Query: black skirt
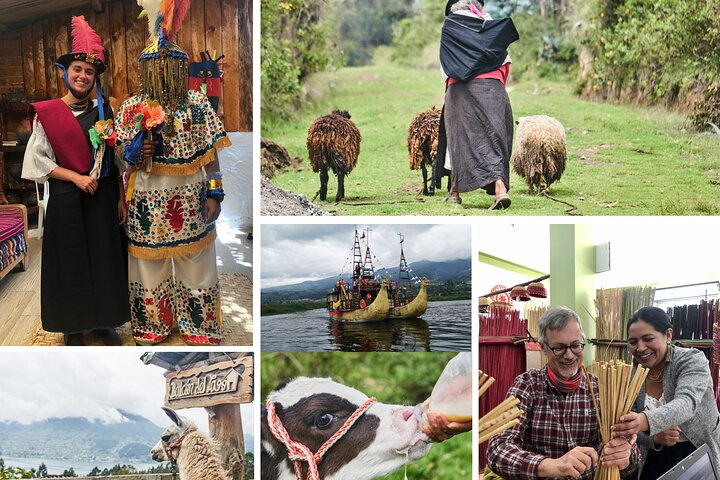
[[84, 260], [479, 126]]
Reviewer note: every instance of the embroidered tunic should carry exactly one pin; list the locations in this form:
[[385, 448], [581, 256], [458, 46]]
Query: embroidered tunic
[[165, 209]]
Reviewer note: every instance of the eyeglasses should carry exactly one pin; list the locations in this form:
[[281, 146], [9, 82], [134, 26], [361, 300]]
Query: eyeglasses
[[560, 350]]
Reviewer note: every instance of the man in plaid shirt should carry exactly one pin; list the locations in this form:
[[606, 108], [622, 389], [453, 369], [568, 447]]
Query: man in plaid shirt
[[558, 435]]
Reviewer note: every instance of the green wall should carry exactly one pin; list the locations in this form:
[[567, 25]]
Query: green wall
[[572, 270]]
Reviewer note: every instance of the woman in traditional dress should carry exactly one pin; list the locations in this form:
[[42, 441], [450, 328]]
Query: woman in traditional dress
[[478, 121], [84, 261]]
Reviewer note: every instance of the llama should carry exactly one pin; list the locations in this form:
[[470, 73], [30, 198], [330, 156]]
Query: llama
[[308, 423], [422, 144], [539, 154], [333, 142], [194, 453]]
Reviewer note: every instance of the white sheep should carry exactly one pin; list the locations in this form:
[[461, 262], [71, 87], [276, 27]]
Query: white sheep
[[194, 453], [539, 154]]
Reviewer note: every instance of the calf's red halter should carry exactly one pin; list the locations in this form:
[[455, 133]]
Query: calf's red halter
[[297, 452]]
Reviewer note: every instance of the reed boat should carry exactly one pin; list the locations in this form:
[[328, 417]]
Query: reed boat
[[348, 308], [415, 308], [365, 299]]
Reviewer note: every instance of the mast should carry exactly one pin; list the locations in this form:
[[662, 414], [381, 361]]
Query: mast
[[357, 257], [368, 271], [403, 270]]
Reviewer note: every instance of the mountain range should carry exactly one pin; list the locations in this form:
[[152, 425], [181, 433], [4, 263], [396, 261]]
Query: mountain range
[[439, 273], [77, 438]]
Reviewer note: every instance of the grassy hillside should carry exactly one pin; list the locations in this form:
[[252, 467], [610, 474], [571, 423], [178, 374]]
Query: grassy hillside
[[623, 160]]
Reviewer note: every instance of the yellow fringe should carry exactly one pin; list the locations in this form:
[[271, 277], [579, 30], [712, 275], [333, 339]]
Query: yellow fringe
[[131, 185], [171, 252], [190, 168]]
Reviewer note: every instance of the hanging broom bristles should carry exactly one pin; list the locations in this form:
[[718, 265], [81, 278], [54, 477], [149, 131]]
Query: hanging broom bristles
[[618, 388], [500, 418]]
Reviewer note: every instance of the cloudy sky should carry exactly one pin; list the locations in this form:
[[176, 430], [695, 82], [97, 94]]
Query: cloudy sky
[[295, 253], [94, 384]]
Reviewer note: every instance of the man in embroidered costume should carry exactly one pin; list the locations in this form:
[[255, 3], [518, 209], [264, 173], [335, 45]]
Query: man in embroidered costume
[[83, 276], [174, 192]]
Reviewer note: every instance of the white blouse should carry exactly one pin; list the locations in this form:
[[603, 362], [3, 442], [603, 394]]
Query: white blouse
[[39, 158], [651, 403]]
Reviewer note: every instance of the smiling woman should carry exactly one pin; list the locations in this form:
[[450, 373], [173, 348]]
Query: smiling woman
[[84, 272], [675, 412]]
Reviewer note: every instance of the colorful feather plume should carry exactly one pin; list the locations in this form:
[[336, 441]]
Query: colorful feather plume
[[173, 12], [85, 40]]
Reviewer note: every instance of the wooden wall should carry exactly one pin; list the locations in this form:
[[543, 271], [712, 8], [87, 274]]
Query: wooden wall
[[222, 25]]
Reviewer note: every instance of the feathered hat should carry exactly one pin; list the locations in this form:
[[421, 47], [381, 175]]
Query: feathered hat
[[163, 64], [86, 46]]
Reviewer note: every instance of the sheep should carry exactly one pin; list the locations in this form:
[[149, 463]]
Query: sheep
[[383, 438], [422, 144], [333, 142], [539, 154], [194, 453]]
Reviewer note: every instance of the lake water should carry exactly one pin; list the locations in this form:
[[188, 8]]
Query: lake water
[[56, 467], [446, 326]]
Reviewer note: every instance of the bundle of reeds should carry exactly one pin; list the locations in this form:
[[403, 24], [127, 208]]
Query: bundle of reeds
[[532, 315], [618, 387], [614, 307], [635, 298], [499, 418], [609, 307], [500, 355]]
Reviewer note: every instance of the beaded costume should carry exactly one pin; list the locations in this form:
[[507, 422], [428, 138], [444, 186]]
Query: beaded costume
[[172, 267]]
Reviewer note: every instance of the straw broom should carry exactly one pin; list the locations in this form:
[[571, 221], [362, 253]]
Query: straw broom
[[618, 388], [500, 418]]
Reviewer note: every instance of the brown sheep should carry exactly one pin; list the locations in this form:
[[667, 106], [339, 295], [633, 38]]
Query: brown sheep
[[539, 154], [333, 142], [422, 144]]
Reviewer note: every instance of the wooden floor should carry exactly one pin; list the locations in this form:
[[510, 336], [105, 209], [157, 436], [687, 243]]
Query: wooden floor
[[20, 301], [20, 310]]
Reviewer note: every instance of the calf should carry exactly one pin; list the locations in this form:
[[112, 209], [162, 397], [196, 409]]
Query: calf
[[311, 410]]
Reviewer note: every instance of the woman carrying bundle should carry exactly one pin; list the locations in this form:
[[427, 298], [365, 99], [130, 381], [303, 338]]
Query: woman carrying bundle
[[677, 409]]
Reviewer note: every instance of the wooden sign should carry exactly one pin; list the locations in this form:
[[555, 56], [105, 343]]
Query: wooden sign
[[210, 385]]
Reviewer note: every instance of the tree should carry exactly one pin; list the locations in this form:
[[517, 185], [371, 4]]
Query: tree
[[249, 469], [42, 471], [70, 472], [362, 26], [294, 44], [95, 472]]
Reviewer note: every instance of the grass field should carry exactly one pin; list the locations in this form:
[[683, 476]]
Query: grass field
[[405, 379], [623, 160]]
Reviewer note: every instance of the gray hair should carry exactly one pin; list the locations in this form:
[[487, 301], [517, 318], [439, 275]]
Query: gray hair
[[556, 318], [465, 5]]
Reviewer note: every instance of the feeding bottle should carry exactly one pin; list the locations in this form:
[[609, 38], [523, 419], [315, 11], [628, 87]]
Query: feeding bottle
[[452, 394]]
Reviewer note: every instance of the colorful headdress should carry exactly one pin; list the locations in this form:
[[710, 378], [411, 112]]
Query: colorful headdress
[[163, 64], [86, 46]]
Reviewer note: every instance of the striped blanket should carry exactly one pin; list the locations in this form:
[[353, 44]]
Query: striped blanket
[[12, 238]]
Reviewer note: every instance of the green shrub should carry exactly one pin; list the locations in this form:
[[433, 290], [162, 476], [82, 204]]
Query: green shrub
[[294, 44], [663, 50]]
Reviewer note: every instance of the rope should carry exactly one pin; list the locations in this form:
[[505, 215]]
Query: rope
[[297, 452], [175, 443]]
